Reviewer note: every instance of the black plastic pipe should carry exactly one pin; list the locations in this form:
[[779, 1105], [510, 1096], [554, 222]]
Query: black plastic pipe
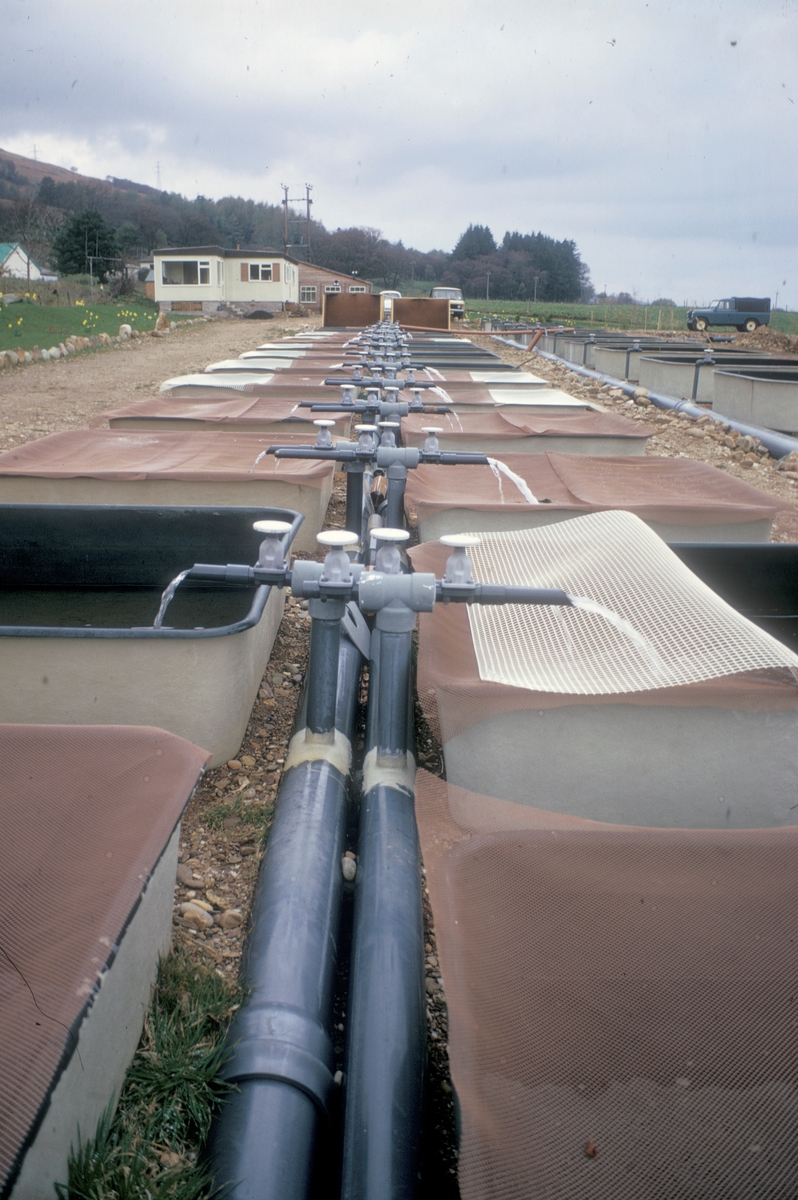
[[262, 1144]]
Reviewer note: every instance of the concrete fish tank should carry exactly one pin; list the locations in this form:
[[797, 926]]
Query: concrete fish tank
[[681, 500], [80, 590], [106, 466]]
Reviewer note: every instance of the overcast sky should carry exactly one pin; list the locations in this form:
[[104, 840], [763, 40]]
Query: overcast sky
[[660, 137]]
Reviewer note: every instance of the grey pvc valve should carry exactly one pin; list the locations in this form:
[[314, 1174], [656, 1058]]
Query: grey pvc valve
[[270, 553], [459, 570]]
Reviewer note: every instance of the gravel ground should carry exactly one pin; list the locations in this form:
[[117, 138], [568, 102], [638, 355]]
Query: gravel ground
[[226, 823]]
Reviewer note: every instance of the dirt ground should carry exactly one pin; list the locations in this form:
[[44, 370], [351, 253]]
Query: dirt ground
[[224, 826]]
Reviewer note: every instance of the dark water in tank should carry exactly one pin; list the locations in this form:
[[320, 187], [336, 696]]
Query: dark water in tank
[[123, 608]]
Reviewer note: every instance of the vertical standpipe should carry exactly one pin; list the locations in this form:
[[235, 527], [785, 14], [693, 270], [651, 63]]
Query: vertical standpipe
[[386, 1019]]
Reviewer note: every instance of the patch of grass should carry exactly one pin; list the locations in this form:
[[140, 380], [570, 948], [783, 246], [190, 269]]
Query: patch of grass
[[27, 323], [258, 816], [23, 325], [148, 1149]]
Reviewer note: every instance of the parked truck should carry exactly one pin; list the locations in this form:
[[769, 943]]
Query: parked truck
[[455, 298], [746, 313]]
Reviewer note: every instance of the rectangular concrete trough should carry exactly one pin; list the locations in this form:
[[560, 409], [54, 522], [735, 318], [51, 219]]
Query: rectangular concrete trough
[[471, 398], [91, 821], [232, 384], [106, 466], [80, 587], [679, 499], [492, 378], [762, 397], [622, 359], [674, 712], [691, 377], [251, 414], [507, 431]]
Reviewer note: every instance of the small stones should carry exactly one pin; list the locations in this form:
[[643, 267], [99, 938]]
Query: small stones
[[194, 916], [348, 868], [231, 918], [234, 764], [186, 876]]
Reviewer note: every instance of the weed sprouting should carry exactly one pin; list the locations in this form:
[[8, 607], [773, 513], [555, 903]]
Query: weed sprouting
[[148, 1148]]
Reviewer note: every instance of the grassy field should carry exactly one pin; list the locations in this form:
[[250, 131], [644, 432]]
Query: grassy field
[[606, 316], [27, 324]]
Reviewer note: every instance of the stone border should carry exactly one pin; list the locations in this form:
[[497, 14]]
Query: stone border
[[75, 344]]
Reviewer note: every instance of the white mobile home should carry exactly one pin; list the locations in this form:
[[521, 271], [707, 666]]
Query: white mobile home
[[210, 278]]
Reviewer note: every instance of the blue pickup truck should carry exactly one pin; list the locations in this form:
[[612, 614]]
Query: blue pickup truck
[[746, 313]]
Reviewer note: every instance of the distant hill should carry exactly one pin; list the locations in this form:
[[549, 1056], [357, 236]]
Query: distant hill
[[37, 197], [16, 169]]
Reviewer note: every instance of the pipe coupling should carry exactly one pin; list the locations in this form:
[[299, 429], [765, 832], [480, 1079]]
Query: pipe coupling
[[275, 1041]]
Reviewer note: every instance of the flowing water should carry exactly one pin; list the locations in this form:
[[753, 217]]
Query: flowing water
[[262, 454], [622, 625], [432, 371], [444, 395], [168, 597], [499, 468]]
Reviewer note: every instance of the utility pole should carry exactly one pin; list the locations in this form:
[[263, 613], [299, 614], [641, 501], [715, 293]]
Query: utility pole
[[308, 202], [288, 221], [487, 288]]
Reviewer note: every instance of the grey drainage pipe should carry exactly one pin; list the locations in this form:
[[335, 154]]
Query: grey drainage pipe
[[778, 444], [262, 1144]]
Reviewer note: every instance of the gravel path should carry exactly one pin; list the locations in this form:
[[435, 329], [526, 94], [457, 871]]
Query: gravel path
[[70, 393]]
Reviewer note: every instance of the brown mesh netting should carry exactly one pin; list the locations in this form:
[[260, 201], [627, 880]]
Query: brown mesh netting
[[108, 454], [662, 490], [86, 813], [623, 1006], [244, 413], [504, 422]]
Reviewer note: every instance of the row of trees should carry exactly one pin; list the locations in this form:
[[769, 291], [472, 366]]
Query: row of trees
[[65, 224]]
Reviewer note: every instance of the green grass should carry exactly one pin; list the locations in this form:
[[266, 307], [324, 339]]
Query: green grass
[[148, 1149], [607, 316], [25, 324]]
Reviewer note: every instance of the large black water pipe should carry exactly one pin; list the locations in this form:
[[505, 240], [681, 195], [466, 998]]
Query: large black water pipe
[[386, 1018], [778, 444], [262, 1144]]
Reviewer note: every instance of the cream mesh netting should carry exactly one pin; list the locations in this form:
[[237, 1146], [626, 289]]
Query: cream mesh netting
[[662, 626]]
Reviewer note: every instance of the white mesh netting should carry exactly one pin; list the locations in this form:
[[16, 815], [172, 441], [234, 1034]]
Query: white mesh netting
[[213, 382], [660, 626]]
